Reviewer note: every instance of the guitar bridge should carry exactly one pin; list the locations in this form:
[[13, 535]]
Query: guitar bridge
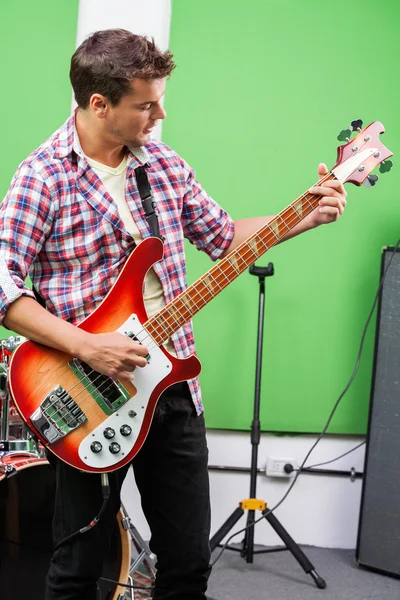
[[57, 415]]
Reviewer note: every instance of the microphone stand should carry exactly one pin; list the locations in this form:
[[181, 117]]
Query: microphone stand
[[253, 503]]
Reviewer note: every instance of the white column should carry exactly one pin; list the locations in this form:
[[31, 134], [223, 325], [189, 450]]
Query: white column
[[151, 18]]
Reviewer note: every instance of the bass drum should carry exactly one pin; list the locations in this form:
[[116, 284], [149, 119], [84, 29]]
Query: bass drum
[[27, 486]]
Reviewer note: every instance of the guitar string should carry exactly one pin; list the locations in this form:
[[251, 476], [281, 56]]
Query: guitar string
[[181, 311], [150, 346], [269, 230], [275, 238]]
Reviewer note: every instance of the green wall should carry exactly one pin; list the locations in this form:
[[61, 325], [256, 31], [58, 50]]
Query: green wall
[[261, 90], [36, 43]]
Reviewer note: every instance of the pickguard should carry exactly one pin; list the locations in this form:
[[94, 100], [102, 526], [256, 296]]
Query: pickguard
[[133, 411]]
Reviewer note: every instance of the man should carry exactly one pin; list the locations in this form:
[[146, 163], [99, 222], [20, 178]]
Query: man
[[70, 219]]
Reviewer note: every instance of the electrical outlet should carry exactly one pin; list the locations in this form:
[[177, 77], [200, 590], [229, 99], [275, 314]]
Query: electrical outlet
[[276, 467]]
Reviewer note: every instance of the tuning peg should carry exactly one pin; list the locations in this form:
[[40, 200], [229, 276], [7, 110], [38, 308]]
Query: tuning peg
[[356, 125], [385, 166], [371, 180], [344, 135]]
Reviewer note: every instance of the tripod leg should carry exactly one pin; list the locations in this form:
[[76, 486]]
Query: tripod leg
[[226, 527], [294, 548], [145, 556], [248, 542]]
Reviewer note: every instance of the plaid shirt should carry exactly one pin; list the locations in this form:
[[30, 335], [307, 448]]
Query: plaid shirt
[[59, 226]]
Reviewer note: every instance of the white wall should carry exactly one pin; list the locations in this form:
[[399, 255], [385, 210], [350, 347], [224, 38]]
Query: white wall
[[321, 511], [144, 17]]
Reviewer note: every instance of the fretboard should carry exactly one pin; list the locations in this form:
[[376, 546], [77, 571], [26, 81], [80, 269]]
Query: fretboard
[[175, 314]]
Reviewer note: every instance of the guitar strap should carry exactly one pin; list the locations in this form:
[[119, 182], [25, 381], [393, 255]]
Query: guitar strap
[[38, 297], [148, 203]]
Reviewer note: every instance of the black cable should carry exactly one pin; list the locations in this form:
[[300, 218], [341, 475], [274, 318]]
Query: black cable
[[127, 585], [333, 459], [252, 524], [106, 494], [105, 488]]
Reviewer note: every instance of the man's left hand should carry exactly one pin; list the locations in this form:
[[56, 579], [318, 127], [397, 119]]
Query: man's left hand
[[332, 200]]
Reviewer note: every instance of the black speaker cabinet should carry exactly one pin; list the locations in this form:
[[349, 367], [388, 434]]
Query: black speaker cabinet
[[378, 543]]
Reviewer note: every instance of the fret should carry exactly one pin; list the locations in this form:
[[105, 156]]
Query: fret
[[232, 273], [202, 294], [293, 217], [153, 325], [166, 325], [252, 246], [232, 261], [274, 228], [174, 312], [214, 279], [185, 310], [307, 199], [261, 241], [239, 256], [206, 280], [284, 222], [153, 322], [200, 301], [297, 206], [221, 270], [187, 303], [158, 339]]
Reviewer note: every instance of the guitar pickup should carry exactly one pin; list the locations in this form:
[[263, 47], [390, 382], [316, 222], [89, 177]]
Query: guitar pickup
[[109, 394], [132, 336]]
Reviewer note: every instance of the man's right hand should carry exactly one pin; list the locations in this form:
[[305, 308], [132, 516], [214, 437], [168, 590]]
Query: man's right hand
[[113, 354]]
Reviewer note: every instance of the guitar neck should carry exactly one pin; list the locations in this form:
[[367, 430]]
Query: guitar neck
[[175, 314]]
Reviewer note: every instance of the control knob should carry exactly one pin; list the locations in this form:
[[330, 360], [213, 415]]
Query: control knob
[[109, 433], [125, 430], [96, 447], [115, 448]]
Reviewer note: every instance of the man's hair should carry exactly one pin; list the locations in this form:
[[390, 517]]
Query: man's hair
[[107, 61]]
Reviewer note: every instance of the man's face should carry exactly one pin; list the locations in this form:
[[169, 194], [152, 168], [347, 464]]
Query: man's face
[[131, 122]]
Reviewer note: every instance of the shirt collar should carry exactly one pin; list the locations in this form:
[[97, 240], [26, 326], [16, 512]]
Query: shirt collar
[[68, 142]]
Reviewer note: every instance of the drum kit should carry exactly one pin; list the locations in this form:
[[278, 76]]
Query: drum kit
[[27, 487]]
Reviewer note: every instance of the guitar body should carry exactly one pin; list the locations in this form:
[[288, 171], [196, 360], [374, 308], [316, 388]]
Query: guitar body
[[43, 384]]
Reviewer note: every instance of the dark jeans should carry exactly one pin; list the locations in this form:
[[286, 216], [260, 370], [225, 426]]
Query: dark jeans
[[171, 475]]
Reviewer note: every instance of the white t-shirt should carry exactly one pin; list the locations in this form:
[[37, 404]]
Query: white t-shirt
[[114, 180]]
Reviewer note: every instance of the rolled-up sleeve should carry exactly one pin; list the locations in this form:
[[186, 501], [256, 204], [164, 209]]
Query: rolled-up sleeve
[[205, 223], [26, 216]]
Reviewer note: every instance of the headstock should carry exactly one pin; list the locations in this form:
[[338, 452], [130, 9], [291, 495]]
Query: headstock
[[359, 157]]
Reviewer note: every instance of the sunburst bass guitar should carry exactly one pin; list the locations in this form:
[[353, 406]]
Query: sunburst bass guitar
[[98, 424]]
